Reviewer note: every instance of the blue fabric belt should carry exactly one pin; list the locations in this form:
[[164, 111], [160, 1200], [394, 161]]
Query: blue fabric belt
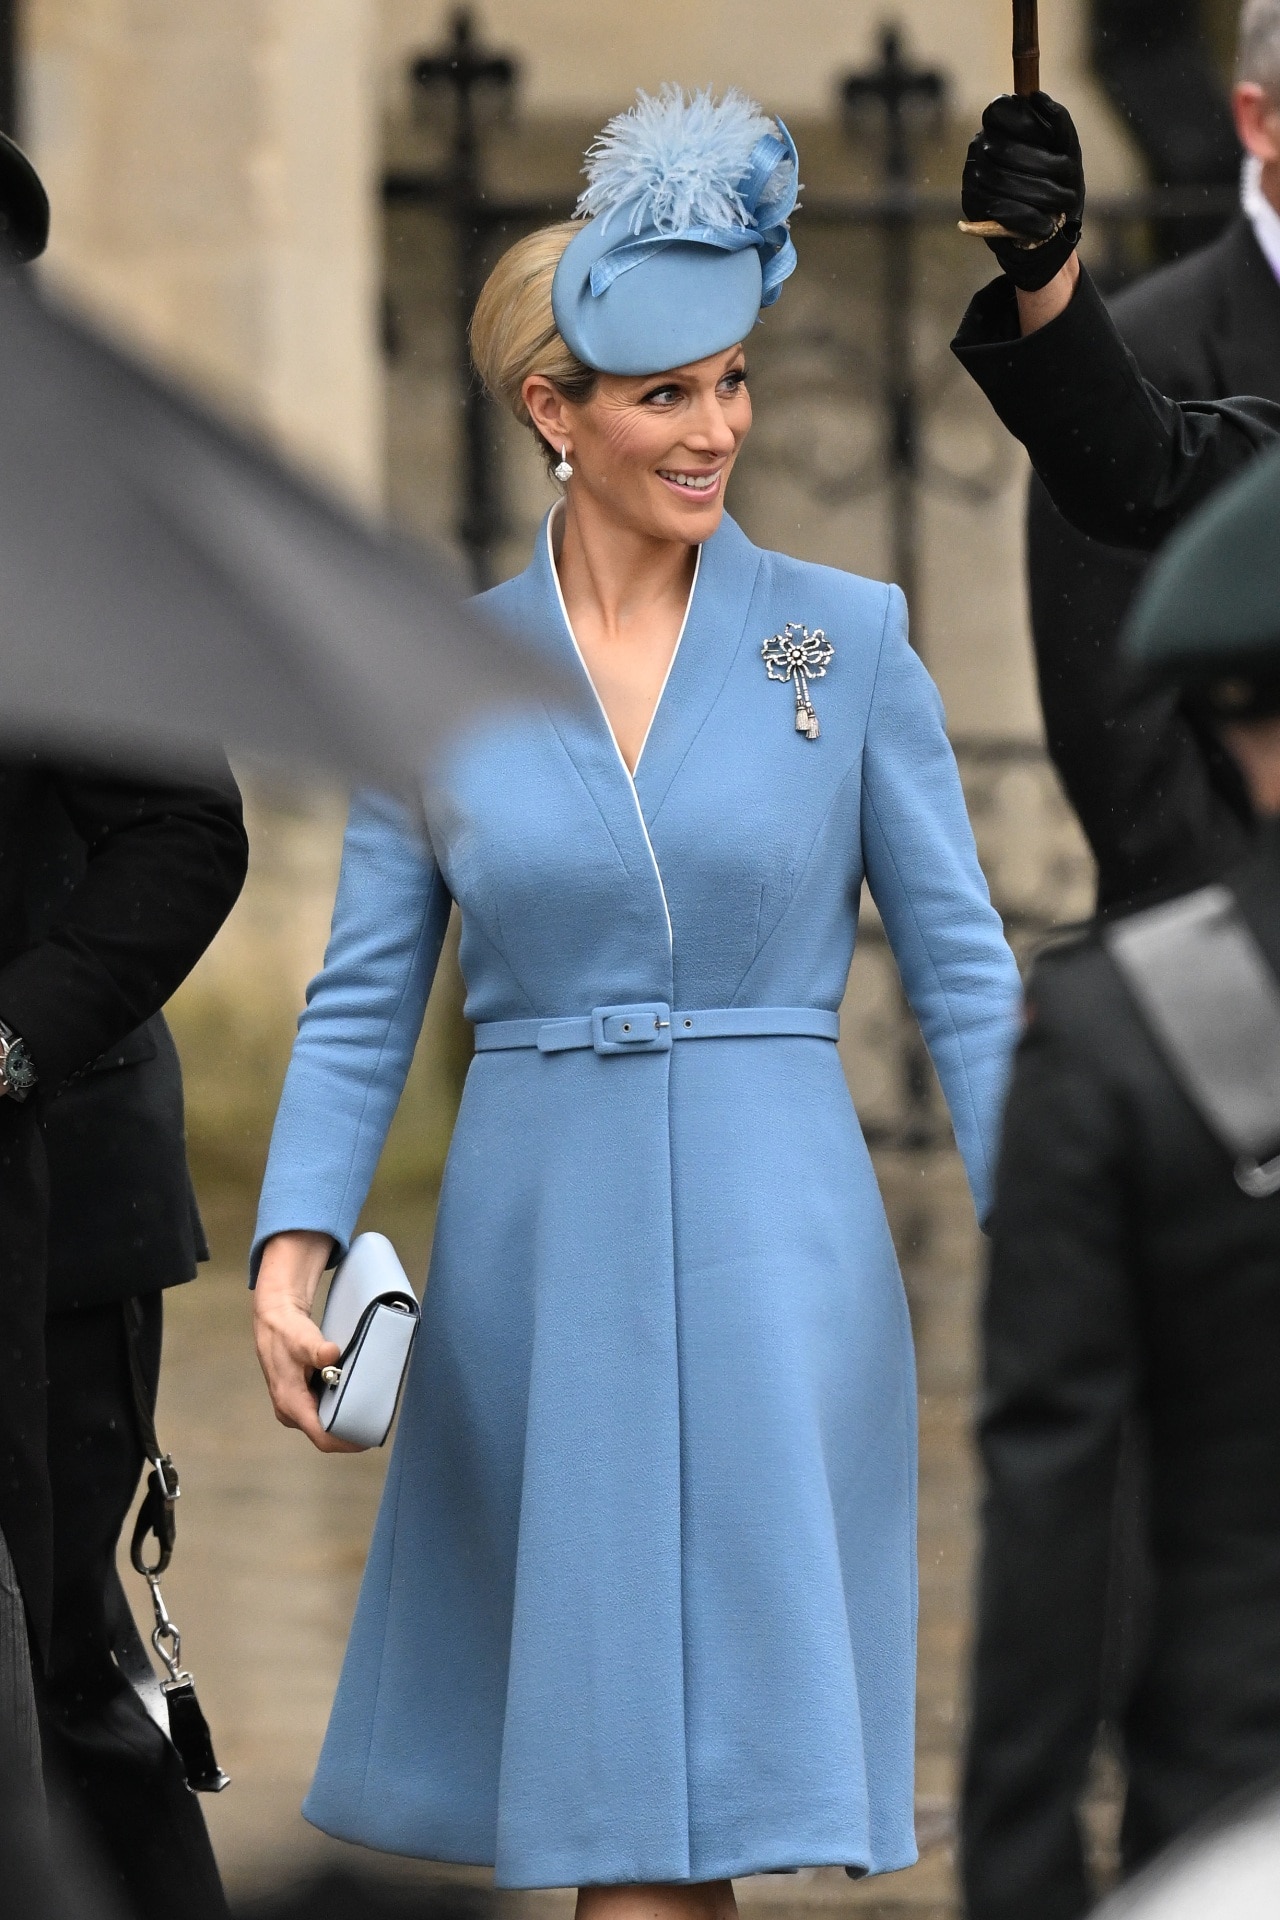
[[649, 1026]]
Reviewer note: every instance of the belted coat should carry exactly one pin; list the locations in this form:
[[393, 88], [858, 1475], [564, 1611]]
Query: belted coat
[[641, 1600]]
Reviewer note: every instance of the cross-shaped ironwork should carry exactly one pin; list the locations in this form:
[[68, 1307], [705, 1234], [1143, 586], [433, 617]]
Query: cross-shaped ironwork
[[893, 86], [464, 70]]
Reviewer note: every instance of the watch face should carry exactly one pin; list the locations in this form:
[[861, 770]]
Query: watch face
[[19, 1074]]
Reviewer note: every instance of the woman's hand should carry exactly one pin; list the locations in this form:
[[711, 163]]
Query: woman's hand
[[290, 1345]]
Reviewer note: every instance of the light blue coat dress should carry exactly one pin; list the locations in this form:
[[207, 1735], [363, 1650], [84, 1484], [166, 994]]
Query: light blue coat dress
[[641, 1599]]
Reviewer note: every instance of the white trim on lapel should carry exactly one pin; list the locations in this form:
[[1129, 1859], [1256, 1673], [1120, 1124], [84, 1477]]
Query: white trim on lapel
[[631, 780], [688, 608]]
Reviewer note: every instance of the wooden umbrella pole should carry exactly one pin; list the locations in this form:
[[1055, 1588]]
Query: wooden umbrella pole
[[1026, 46], [1026, 79]]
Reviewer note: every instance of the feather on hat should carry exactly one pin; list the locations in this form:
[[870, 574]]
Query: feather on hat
[[680, 163], [678, 186]]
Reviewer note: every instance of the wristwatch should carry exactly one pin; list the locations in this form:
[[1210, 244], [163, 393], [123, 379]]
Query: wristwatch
[[17, 1073]]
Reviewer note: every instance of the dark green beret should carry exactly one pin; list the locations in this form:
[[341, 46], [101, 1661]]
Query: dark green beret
[[24, 205], [1207, 617]]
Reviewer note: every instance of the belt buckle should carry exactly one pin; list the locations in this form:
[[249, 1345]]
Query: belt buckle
[[642, 1027]]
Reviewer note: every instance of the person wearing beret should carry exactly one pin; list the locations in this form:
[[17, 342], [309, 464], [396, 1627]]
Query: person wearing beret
[[110, 890], [639, 1612], [1135, 1278]]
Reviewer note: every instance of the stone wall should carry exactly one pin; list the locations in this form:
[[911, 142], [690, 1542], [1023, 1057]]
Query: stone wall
[[212, 170]]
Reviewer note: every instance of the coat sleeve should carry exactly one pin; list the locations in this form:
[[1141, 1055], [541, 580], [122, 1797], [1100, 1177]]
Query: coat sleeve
[[1163, 806], [922, 869], [1059, 1376], [1121, 462], [358, 1031], [164, 866]]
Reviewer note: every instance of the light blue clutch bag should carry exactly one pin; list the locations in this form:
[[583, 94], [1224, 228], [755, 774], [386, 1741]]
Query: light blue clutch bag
[[372, 1315]]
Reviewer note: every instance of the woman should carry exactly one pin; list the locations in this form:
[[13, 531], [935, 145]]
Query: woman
[[639, 1611]]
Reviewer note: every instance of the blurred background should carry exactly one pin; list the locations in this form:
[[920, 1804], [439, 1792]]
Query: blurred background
[[290, 205]]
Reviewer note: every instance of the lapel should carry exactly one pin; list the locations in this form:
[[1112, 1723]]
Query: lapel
[[712, 639], [709, 645], [1250, 350], [536, 611]]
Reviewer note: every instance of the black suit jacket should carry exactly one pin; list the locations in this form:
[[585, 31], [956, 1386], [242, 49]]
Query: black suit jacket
[[1129, 1273], [1161, 803], [122, 1211], [162, 866]]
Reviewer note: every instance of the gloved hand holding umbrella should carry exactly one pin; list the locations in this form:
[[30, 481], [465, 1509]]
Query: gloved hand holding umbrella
[[1023, 186]]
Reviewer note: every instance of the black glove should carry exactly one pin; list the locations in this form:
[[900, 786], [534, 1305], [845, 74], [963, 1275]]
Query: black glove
[[1025, 170]]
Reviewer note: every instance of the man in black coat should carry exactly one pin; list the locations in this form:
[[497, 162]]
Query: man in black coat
[[1136, 1268], [122, 1227], [159, 869], [110, 890], [1161, 804], [1164, 807]]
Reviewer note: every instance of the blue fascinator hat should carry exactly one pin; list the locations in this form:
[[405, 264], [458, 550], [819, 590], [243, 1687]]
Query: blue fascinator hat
[[685, 236]]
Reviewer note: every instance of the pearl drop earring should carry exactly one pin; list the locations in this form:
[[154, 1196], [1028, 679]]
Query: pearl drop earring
[[564, 472]]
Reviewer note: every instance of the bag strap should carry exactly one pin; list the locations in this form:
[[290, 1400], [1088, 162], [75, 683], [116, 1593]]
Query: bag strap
[[157, 1515], [172, 1703], [1211, 1001]]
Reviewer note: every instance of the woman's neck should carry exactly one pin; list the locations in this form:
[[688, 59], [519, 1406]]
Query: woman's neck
[[613, 577]]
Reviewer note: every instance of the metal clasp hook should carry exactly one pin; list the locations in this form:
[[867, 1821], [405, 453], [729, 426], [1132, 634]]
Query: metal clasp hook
[[165, 1632]]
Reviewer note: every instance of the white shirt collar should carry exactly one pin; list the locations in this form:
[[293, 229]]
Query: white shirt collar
[[1261, 215]]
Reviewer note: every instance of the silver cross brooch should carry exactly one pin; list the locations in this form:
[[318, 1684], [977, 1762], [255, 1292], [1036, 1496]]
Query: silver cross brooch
[[796, 654]]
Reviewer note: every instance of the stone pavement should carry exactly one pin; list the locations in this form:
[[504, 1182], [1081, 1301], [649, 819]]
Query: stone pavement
[[273, 1535]]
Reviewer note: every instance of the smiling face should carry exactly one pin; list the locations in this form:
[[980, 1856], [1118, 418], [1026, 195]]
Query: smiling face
[[653, 455]]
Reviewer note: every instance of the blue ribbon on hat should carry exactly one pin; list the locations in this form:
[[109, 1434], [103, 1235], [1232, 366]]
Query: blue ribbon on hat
[[768, 191]]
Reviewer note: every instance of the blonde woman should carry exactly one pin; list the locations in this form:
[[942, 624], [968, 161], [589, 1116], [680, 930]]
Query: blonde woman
[[639, 1614]]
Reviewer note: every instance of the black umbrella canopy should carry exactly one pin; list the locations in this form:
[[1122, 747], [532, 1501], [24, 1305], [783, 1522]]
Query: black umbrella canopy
[[167, 585]]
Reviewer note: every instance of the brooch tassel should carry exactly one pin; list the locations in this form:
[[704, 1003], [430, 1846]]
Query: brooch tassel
[[806, 718], [797, 655]]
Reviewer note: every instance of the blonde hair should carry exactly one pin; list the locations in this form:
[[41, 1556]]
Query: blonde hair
[[513, 329]]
